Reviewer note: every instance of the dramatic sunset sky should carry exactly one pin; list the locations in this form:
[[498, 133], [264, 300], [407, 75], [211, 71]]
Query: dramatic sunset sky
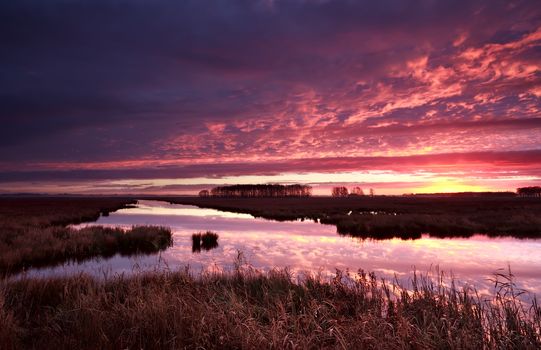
[[163, 96]]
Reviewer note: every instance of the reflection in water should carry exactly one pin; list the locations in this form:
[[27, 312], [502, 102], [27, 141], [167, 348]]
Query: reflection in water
[[312, 247]]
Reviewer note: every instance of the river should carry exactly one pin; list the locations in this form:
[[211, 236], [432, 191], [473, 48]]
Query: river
[[309, 247]]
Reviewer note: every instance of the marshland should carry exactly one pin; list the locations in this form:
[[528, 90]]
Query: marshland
[[35, 232], [111, 272], [383, 217]]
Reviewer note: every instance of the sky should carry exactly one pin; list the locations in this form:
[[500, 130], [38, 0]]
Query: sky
[[164, 96]]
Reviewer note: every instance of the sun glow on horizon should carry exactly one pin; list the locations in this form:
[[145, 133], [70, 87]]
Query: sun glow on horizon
[[383, 182], [450, 186]]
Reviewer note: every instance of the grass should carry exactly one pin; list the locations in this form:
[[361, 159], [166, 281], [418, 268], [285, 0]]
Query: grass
[[250, 309], [55, 245], [383, 217], [21, 212], [206, 241], [33, 232]]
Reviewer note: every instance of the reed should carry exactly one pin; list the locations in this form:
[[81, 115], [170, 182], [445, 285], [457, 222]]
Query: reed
[[54, 245], [383, 217], [206, 241], [250, 309], [33, 232]]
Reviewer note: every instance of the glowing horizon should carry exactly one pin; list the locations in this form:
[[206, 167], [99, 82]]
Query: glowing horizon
[[383, 182]]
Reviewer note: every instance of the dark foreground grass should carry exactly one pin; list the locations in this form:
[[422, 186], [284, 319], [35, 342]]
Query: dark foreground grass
[[382, 217], [33, 232], [245, 309]]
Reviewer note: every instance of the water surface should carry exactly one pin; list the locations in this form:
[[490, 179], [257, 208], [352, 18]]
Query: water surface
[[306, 246]]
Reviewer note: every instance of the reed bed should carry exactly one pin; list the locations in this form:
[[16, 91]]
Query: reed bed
[[33, 232], [248, 309], [384, 217], [54, 245]]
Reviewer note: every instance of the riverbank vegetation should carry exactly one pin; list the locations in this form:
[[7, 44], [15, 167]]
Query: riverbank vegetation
[[382, 217], [33, 232], [249, 309]]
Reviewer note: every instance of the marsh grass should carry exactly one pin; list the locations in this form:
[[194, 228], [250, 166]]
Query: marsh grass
[[404, 217], [33, 232], [250, 309], [206, 241], [20, 212], [54, 245]]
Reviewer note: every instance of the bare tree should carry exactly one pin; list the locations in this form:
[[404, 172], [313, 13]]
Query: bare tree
[[372, 192]]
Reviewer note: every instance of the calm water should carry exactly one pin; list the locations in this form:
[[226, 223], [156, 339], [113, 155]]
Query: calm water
[[310, 247]]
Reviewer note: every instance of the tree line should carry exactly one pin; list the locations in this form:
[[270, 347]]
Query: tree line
[[258, 191], [342, 191], [531, 191]]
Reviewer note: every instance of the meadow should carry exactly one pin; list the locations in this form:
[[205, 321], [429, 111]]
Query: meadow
[[383, 217]]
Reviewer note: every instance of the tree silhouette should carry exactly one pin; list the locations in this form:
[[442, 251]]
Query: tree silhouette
[[274, 190], [532, 191], [204, 193], [356, 191], [340, 191]]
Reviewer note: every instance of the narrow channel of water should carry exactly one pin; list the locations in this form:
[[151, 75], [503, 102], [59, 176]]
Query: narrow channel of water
[[309, 247]]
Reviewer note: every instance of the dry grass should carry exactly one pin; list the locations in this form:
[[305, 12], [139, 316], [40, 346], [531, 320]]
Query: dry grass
[[54, 245], [33, 232], [247, 309], [21, 212]]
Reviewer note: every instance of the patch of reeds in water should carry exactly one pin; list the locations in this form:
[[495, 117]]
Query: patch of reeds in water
[[204, 240]]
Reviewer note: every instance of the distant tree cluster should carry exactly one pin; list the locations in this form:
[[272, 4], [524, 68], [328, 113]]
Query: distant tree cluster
[[204, 193], [342, 191], [357, 191], [259, 191], [532, 191]]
